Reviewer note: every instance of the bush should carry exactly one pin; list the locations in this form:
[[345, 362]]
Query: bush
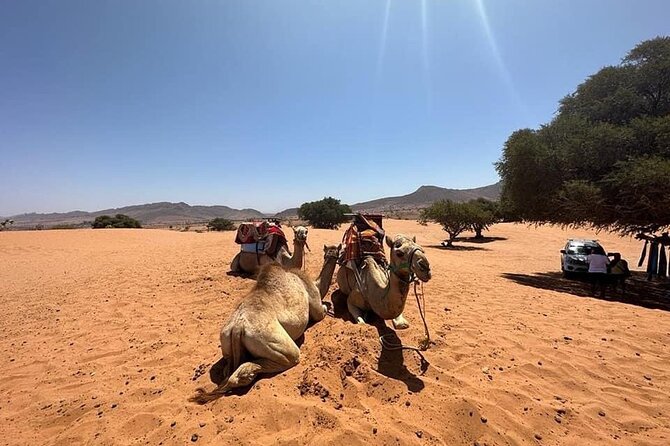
[[454, 217], [221, 224], [118, 221], [324, 214]]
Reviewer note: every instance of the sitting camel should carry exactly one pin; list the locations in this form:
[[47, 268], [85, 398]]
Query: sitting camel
[[250, 263], [266, 323], [385, 291]]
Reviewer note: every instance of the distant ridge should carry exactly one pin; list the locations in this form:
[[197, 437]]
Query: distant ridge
[[410, 204], [148, 214], [166, 213], [424, 196]]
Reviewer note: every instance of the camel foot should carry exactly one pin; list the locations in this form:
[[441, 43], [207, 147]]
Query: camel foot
[[400, 323]]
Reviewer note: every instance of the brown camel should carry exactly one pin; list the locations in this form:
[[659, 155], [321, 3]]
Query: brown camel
[[266, 323], [251, 263], [385, 292]]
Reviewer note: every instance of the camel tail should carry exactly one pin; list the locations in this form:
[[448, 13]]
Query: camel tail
[[202, 396]]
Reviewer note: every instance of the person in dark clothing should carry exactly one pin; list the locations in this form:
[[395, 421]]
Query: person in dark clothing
[[618, 272]]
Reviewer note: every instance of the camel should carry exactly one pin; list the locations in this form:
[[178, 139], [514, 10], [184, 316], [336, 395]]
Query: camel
[[250, 263], [385, 292], [265, 324]]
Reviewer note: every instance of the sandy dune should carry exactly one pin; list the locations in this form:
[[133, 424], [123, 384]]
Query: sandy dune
[[105, 334]]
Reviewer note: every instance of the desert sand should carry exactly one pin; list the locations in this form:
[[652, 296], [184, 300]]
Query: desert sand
[[105, 334]]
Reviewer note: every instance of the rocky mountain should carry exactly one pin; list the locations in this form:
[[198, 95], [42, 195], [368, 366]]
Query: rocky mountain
[[148, 214], [424, 196], [409, 205], [165, 213]]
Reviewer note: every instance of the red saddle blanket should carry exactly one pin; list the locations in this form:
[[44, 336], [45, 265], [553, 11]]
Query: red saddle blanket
[[364, 237], [269, 233]]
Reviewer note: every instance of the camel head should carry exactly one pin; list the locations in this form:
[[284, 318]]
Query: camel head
[[407, 258], [300, 235], [331, 252]]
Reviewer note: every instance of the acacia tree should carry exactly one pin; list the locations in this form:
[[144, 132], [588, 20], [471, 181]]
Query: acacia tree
[[485, 213], [453, 217], [325, 214], [3, 224], [604, 160], [220, 224], [118, 221]]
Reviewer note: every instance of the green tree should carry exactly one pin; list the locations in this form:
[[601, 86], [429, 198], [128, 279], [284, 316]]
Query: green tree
[[326, 214], [220, 224], [453, 217], [485, 213], [604, 159], [118, 221], [4, 223]]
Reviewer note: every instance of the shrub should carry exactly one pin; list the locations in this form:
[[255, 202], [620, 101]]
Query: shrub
[[118, 221], [221, 224]]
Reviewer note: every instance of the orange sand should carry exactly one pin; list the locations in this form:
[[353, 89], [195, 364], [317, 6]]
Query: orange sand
[[105, 334]]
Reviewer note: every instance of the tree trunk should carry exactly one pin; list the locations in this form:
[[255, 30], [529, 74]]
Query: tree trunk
[[478, 232]]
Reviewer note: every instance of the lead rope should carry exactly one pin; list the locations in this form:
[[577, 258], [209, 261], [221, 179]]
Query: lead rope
[[424, 344]]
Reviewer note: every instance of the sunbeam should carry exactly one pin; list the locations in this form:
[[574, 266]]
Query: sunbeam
[[504, 73], [382, 43], [424, 52]]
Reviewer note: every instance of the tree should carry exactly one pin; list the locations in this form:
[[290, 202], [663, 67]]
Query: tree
[[221, 224], [604, 160], [454, 217], [3, 224], [325, 214], [118, 221], [485, 213]]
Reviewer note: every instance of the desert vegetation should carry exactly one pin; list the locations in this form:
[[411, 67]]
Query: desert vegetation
[[324, 214], [220, 224], [118, 221], [604, 160]]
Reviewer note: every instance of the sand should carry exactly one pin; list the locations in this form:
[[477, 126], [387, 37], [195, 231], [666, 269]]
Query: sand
[[104, 335]]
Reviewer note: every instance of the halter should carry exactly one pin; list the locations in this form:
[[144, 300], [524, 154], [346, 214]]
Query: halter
[[405, 266]]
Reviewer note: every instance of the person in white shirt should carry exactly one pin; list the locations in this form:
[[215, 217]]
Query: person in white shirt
[[598, 261]]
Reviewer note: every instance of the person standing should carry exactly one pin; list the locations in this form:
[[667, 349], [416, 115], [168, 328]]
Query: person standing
[[619, 271], [598, 261]]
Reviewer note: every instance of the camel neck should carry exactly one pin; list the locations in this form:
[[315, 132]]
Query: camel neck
[[326, 276], [298, 254]]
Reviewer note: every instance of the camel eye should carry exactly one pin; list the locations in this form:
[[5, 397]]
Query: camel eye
[[400, 254]]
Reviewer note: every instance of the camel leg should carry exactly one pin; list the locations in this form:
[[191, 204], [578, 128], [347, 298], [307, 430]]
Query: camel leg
[[274, 353], [235, 264], [246, 373], [356, 312], [400, 323], [317, 310]]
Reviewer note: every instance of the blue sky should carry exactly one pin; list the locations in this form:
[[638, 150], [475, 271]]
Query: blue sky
[[268, 104]]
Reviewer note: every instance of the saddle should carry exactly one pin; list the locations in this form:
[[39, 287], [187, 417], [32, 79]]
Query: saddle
[[261, 238], [364, 237]]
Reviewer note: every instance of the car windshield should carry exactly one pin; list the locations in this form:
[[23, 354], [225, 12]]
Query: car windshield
[[579, 249]]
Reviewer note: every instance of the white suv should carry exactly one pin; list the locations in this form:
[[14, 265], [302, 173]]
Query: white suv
[[573, 256]]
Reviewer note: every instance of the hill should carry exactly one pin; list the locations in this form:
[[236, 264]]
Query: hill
[[409, 205], [148, 214]]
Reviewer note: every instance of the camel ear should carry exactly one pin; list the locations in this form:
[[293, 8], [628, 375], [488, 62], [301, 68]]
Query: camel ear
[[325, 248], [339, 247], [414, 239], [389, 242]]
